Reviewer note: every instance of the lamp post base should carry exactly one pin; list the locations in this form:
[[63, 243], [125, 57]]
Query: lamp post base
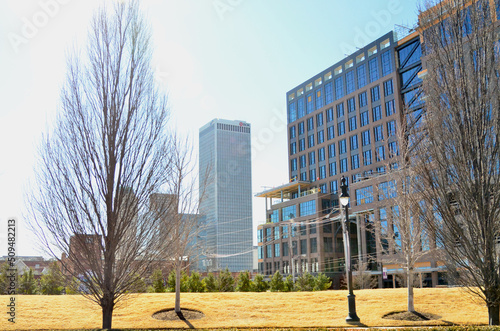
[[352, 317]]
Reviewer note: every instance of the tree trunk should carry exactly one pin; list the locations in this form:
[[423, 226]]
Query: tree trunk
[[107, 311], [493, 314], [178, 286], [411, 306]]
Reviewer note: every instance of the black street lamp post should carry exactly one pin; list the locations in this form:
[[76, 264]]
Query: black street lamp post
[[351, 298]]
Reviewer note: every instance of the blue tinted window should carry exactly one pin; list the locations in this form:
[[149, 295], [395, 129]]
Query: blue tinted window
[[365, 120], [378, 133], [339, 88], [353, 123], [340, 110], [319, 99], [351, 105], [409, 54], [310, 141], [388, 87], [362, 100], [302, 144], [307, 208], [322, 172], [309, 104], [386, 63], [321, 154], [349, 77], [364, 195], [377, 113], [331, 150], [303, 161], [292, 112], [391, 128], [321, 137], [329, 115], [312, 175], [328, 93], [293, 165], [373, 69], [292, 132], [342, 147], [410, 78], [332, 167], [353, 140], [301, 128], [389, 108], [330, 132], [365, 138], [367, 157], [343, 165], [334, 186], [341, 128], [361, 71], [375, 92], [380, 153], [300, 104], [354, 161]]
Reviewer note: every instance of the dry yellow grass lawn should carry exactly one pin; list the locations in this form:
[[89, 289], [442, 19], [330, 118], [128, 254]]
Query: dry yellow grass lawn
[[223, 310]]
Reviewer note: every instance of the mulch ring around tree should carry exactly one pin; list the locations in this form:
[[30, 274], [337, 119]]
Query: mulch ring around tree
[[169, 314], [410, 316]]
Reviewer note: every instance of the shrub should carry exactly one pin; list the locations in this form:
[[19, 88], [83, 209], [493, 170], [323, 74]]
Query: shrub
[[244, 283], [276, 284], [259, 285], [156, 278], [195, 283], [322, 282], [305, 282], [210, 283], [225, 281], [288, 285]]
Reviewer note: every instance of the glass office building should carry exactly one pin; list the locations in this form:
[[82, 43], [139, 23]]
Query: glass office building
[[225, 179]]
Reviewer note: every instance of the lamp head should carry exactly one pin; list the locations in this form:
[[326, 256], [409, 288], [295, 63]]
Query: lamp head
[[344, 196]]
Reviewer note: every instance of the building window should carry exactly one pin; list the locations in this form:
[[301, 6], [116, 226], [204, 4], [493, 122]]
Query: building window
[[310, 124], [393, 149], [301, 128], [330, 133], [319, 99], [319, 119], [373, 69], [328, 93], [375, 93], [293, 165], [312, 159], [363, 101], [333, 169], [334, 187], [354, 161], [302, 144], [388, 88], [292, 132], [269, 251], [288, 213], [303, 246], [386, 63], [269, 235], [349, 77], [342, 147], [364, 195], [292, 112], [365, 138], [302, 161], [377, 113], [309, 104], [387, 190], [259, 235], [321, 137], [341, 128], [329, 115], [339, 88], [303, 176], [351, 105], [365, 120], [322, 188], [307, 208], [313, 245], [353, 140], [300, 105], [312, 175], [293, 148], [380, 153], [277, 230], [322, 172], [310, 141], [260, 253], [340, 110], [353, 124], [343, 165], [277, 250], [321, 154], [331, 150], [391, 128], [361, 71], [389, 108], [367, 157], [378, 133], [328, 244]]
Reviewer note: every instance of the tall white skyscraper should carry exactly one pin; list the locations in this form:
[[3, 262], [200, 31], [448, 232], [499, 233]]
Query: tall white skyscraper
[[225, 171]]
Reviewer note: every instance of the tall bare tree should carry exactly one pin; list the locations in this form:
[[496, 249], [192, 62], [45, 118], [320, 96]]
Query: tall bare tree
[[106, 154], [402, 237], [459, 154]]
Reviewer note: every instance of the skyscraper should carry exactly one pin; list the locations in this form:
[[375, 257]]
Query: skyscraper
[[226, 195]]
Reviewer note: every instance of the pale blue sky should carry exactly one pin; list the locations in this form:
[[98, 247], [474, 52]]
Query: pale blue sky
[[231, 59]]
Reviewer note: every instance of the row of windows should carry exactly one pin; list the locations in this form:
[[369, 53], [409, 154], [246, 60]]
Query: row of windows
[[341, 126], [303, 106]]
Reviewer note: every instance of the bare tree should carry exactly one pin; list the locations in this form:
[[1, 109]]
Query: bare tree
[[458, 157], [402, 236], [106, 154], [183, 219]]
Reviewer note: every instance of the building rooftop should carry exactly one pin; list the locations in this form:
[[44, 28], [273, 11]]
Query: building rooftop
[[284, 190]]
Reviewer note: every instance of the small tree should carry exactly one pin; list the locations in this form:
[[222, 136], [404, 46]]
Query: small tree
[[52, 283], [225, 281], [195, 284], [259, 285], [5, 273], [244, 283], [288, 285], [276, 284], [210, 283], [305, 282], [157, 281], [322, 282], [27, 283]]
